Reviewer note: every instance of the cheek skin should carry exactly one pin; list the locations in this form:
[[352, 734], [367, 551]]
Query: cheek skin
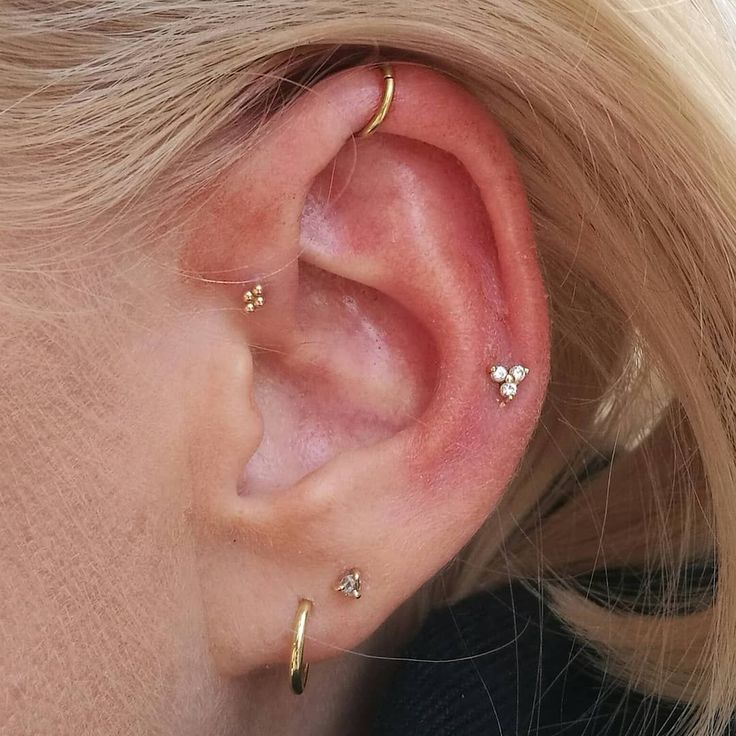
[[99, 598]]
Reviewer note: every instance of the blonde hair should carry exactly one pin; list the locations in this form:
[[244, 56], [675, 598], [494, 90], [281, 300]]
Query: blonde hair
[[622, 120]]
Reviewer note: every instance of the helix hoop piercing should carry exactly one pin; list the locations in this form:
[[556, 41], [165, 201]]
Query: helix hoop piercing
[[253, 299], [383, 108], [349, 584], [298, 668], [509, 379]]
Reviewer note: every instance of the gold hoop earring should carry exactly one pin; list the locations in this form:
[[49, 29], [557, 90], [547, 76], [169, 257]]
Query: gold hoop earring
[[386, 100], [298, 668]]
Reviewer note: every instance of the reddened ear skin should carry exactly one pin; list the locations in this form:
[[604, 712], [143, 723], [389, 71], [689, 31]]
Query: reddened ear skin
[[402, 265]]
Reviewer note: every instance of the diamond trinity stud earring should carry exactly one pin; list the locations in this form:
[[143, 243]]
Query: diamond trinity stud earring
[[508, 378], [253, 299], [349, 584]]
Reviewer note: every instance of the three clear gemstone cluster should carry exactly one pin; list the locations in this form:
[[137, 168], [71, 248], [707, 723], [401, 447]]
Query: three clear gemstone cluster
[[349, 584], [508, 378]]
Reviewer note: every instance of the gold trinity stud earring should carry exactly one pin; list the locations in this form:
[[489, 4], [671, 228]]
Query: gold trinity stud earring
[[384, 106], [253, 299], [509, 379], [349, 584]]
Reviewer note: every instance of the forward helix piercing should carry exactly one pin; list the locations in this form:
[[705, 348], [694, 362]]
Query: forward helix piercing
[[253, 299], [383, 108], [349, 584], [298, 668], [509, 379]]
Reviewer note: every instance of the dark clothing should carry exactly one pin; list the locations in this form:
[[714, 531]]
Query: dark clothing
[[529, 676]]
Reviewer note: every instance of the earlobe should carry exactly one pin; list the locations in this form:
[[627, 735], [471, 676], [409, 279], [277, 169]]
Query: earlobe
[[395, 271]]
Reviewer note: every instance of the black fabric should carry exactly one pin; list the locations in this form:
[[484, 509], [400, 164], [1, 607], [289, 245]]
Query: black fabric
[[519, 672]]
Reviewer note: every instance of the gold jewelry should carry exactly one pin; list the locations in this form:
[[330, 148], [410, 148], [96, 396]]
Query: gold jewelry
[[386, 100], [298, 668], [349, 584], [253, 299], [508, 378]]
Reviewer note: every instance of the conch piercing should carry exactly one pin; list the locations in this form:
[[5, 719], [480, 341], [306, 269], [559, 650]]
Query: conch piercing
[[508, 378], [253, 299], [349, 584], [298, 668], [386, 100]]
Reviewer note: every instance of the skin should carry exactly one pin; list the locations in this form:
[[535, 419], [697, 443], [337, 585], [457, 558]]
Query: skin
[[185, 473]]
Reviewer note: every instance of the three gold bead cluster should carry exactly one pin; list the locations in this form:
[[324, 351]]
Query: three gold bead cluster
[[253, 299]]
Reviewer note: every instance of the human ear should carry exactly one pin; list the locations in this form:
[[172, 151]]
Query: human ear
[[351, 422]]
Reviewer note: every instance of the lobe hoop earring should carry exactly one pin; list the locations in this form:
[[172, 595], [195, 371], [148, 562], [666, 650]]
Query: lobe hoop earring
[[383, 108], [298, 668]]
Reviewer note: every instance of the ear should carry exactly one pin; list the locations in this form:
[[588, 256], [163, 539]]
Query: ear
[[351, 422]]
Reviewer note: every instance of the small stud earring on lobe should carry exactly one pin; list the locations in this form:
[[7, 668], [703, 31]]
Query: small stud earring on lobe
[[508, 378], [253, 299], [349, 584]]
